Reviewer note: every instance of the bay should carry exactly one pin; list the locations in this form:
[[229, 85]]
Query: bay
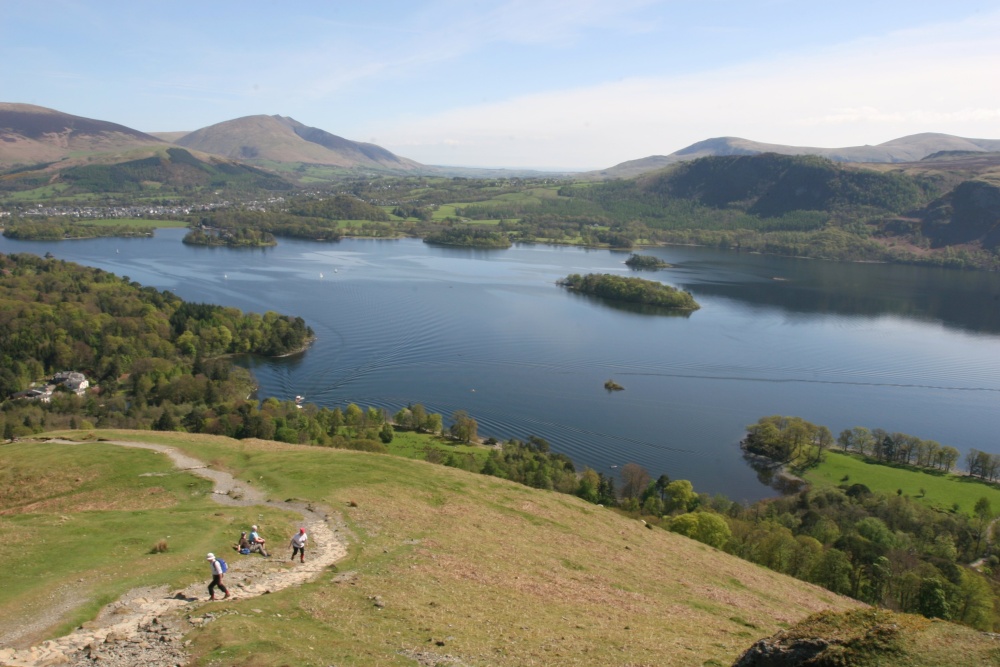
[[903, 348]]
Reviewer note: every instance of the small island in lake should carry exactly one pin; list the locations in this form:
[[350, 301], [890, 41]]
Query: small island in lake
[[633, 290], [635, 261], [611, 385], [243, 237]]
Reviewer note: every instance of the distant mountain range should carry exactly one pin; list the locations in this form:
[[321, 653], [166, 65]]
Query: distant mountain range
[[905, 149], [34, 137]]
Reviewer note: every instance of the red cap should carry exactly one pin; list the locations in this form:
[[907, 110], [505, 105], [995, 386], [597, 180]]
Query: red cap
[[302, 530]]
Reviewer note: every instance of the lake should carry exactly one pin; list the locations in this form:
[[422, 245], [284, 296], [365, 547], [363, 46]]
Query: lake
[[903, 348]]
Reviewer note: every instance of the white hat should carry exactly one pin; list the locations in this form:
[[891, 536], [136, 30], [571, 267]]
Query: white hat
[[210, 557]]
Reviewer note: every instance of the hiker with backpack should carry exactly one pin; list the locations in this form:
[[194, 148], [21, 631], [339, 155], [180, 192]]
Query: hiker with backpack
[[299, 545], [219, 568]]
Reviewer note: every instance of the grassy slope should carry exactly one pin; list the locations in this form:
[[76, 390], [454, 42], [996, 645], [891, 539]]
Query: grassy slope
[[500, 574], [942, 490], [81, 521]]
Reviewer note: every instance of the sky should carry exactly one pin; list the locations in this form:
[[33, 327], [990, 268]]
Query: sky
[[544, 84]]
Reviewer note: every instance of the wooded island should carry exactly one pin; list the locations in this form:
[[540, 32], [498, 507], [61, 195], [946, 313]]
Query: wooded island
[[632, 290]]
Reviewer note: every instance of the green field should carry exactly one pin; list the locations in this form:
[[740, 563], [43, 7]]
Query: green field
[[935, 488], [44, 193], [415, 445]]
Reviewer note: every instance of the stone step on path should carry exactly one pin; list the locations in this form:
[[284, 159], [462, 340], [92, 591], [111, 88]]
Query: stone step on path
[[147, 629]]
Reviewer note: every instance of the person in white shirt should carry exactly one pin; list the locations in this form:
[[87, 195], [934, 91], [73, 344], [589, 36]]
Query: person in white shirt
[[216, 578], [299, 545]]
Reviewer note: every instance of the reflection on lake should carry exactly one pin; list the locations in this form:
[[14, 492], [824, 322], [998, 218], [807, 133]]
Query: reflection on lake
[[902, 348]]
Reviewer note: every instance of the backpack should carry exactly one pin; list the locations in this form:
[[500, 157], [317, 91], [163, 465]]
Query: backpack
[[222, 565]]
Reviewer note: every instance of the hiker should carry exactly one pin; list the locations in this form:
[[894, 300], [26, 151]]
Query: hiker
[[217, 572], [257, 542], [243, 546], [299, 545]]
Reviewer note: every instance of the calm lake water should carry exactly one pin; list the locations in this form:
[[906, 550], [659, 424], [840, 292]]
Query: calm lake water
[[902, 348]]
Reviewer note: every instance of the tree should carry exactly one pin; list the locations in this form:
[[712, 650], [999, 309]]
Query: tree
[[652, 505], [491, 465], [807, 553], [353, 416], [635, 479], [825, 530], [588, 486], [874, 530], [974, 601], [861, 440], [419, 415], [464, 428], [949, 456], [404, 419], [984, 514], [606, 491], [431, 423], [705, 527], [661, 485], [774, 546], [386, 434], [166, 421], [782, 438], [833, 572], [880, 576], [932, 601], [823, 440], [680, 496]]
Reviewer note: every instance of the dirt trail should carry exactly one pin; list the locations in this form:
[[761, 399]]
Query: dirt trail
[[145, 626]]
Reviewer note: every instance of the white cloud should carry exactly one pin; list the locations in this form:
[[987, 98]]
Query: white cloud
[[934, 79]]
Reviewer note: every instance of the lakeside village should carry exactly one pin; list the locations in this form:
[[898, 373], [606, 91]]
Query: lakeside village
[[152, 211]]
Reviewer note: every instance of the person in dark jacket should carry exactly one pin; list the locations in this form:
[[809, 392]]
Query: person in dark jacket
[[243, 546]]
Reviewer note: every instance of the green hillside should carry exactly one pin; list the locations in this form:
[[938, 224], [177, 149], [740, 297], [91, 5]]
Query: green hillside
[[471, 566], [772, 185], [166, 171], [444, 567], [808, 206]]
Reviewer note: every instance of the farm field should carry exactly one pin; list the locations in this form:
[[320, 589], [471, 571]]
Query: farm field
[[935, 488]]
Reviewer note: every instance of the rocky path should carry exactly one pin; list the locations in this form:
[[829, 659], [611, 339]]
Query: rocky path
[[146, 626]]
